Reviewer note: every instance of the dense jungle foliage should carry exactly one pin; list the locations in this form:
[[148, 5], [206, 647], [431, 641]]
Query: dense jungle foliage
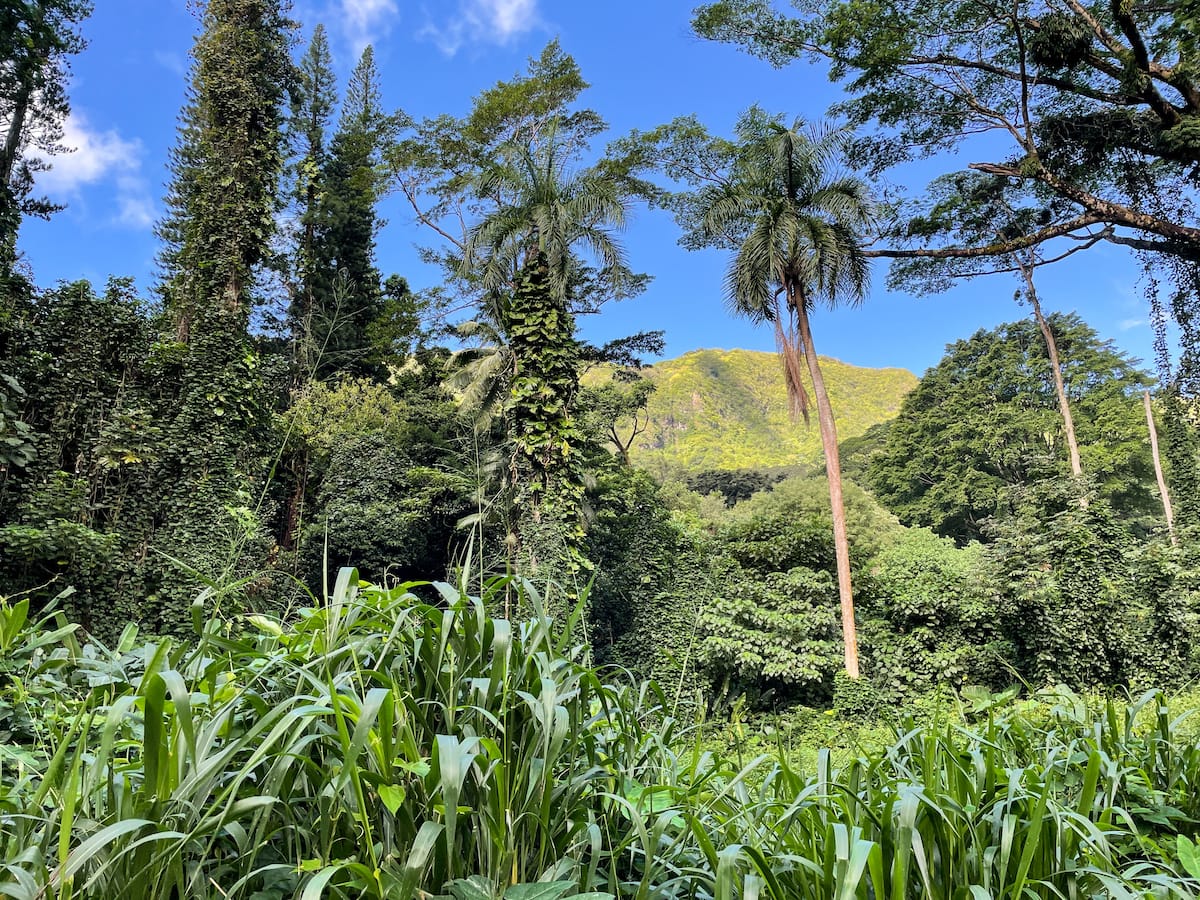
[[578, 581]]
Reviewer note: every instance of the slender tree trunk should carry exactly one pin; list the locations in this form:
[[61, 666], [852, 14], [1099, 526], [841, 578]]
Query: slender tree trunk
[[1168, 512], [1060, 390], [10, 210], [16, 125], [294, 509], [833, 471], [305, 350], [622, 447]]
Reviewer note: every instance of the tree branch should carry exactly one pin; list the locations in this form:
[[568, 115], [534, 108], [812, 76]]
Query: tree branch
[[996, 249], [1173, 248], [425, 220], [1114, 213], [960, 62], [1086, 242]]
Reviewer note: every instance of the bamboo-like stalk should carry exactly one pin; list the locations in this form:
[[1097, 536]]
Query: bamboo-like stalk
[[388, 748]]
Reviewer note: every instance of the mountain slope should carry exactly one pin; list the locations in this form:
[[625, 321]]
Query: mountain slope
[[727, 409]]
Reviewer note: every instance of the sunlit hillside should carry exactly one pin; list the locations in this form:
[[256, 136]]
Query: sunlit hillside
[[728, 409]]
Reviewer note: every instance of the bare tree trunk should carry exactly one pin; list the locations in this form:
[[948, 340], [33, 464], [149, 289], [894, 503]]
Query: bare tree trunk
[[293, 516], [1168, 512], [12, 140], [1060, 390], [622, 447], [833, 471]]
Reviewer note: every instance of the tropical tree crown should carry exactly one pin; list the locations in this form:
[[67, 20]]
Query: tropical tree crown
[[794, 216], [544, 208]]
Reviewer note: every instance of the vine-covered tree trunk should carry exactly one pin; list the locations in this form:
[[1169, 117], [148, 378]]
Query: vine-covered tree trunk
[[1181, 454], [546, 465], [222, 202], [833, 471]]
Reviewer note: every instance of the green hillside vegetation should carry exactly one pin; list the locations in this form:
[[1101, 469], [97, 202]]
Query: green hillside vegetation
[[728, 409]]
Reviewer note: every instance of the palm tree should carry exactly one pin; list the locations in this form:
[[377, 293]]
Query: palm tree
[[525, 256], [542, 208], [796, 219], [479, 372]]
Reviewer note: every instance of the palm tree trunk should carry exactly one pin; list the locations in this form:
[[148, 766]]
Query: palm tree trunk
[[1060, 390], [1168, 512], [833, 471]]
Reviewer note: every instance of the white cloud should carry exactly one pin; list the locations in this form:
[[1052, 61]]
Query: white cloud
[[93, 157], [507, 17], [172, 61], [135, 207], [1127, 324], [365, 21], [490, 21]]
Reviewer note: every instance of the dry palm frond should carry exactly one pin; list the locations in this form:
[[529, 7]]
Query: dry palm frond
[[790, 353]]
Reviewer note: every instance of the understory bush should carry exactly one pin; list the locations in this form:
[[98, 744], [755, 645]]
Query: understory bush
[[933, 619], [1084, 604], [651, 581], [770, 628], [376, 478], [1063, 595]]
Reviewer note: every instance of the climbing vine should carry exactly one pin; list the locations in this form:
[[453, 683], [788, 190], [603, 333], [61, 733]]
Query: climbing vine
[[546, 466]]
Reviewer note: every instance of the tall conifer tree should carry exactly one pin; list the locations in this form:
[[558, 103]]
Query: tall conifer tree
[[313, 103], [222, 204], [226, 167], [347, 293]]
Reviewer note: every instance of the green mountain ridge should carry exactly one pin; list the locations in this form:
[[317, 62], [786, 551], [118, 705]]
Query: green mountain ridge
[[728, 409]]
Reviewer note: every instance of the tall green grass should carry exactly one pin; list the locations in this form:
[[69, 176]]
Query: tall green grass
[[380, 745]]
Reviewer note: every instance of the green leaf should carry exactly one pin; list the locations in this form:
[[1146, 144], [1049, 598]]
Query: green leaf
[[474, 888], [1189, 855], [392, 796], [547, 890]]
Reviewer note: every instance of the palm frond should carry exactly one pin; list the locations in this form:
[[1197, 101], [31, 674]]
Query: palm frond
[[752, 274], [547, 209]]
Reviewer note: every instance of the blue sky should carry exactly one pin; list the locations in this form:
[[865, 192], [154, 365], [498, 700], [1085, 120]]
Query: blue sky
[[645, 68]]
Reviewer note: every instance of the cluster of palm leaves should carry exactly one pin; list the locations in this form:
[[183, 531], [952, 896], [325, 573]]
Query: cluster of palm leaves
[[405, 743]]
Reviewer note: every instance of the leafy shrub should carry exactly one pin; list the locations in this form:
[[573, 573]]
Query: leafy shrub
[[773, 637], [1066, 584], [16, 437], [379, 482], [770, 627], [856, 699], [1163, 605], [375, 505], [326, 416], [869, 525], [651, 579], [934, 619]]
